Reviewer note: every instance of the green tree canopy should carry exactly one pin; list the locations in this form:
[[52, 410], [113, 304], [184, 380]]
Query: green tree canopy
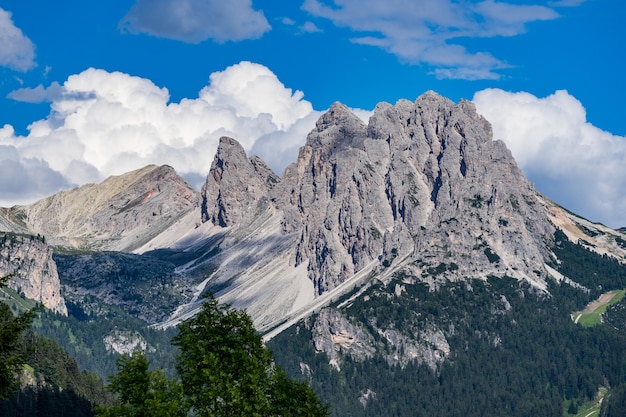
[[224, 370], [227, 371], [12, 356], [143, 393]]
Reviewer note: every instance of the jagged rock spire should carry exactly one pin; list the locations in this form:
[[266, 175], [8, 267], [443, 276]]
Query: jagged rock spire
[[235, 185]]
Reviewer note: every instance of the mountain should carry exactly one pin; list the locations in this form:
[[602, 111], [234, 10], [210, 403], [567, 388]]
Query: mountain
[[119, 214], [387, 246], [421, 188]]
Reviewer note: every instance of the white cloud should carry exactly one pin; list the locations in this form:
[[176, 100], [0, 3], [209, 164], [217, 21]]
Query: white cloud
[[23, 179], [280, 148], [16, 50], [104, 123], [570, 160], [309, 27], [251, 90], [38, 94], [425, 32], [195, 21]]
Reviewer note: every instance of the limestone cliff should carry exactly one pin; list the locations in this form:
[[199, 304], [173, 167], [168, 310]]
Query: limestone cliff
[[34, 271], [236, 186], [422, 185]]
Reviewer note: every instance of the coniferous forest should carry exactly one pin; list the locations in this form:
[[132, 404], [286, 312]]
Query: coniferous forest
[[527, 358]]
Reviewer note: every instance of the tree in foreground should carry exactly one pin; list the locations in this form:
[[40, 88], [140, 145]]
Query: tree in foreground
[[141, 392], [226, 371], [12, 355]]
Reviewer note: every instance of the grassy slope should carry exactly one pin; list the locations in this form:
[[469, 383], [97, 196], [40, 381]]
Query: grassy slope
[[594, 318]]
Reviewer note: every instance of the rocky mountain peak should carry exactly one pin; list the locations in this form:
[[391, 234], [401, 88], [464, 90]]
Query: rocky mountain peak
[[423, 181], [235, 186], [338, 127], [34, 273], [423, 185]]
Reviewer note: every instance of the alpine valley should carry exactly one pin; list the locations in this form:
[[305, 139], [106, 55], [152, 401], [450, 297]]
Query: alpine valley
[[404, 267]]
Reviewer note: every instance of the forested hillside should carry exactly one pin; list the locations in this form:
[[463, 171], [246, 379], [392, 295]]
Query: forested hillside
[[38, 377], [514, 350]]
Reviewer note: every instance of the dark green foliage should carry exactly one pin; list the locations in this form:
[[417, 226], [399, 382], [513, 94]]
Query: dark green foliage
[[37, 376], [222, 364], [12, 353], [53, 385], [226, 371], [82, 333], [55, 367], [491, 255], [614, 404], [598, 273], [142, 392], [615, 316]]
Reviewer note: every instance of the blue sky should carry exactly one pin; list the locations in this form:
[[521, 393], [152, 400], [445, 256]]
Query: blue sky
[[91, 89]]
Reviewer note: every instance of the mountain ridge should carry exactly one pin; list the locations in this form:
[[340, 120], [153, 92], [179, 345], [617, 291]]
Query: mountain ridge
[[422, 188]]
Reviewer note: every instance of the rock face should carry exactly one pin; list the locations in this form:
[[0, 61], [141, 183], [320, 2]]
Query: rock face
[[236, 186], [423, 185], [126, 342], [35, 273], [120, 213], [335, 335]]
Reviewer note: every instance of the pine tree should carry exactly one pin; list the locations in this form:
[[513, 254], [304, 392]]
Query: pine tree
[[143, 392], [12, 356], [227, 371]]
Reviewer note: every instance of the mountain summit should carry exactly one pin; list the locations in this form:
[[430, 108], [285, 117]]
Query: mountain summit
[[422, 189]]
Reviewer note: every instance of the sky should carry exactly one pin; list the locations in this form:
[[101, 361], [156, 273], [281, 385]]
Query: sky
[[90, 89]]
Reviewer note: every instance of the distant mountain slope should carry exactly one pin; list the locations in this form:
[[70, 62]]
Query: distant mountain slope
[[121, 213]]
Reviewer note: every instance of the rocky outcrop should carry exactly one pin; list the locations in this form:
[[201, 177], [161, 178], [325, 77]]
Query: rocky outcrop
[[236, 186], [335, 335], [34, 273], [121, 213], [423, 185], [126, 342]]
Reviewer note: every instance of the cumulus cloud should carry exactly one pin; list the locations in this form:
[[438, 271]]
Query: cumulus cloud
[[195, 21], [107, 123], [16, 50], [425, 32], [22, 179], [571, 161]]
